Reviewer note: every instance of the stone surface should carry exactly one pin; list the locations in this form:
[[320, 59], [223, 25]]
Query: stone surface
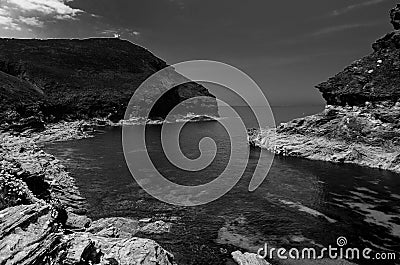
[[86, 248], [29, 235], [75, 79], [395, 17], [77, 222], [367, 136], [33, 234], [43, 174], [125, 227], [248, 259]]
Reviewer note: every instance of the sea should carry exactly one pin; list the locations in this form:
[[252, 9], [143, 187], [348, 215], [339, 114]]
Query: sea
[[301, 203]]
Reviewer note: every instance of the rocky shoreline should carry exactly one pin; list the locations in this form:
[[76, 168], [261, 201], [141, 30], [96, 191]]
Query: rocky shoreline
[[354, 135], [42, 217]]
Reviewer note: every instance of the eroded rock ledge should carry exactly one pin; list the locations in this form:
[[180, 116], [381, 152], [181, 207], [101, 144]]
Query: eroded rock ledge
[[367, 136]]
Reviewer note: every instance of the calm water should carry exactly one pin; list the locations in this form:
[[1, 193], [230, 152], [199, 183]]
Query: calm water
[[301, 203]]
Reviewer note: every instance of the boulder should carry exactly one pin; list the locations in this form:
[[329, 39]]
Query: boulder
[[86, 248], [248, 259], [79, 222]]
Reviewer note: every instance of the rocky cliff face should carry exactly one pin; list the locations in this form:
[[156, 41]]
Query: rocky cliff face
[[361, 123], [78, 79], [373, 78]]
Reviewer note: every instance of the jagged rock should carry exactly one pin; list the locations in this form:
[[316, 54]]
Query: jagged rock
[[86, 248], [117, 227], [75, 221], [32, 234], [248, 259], [395, 17], [373, 78], [41, 173], [158, 227], [29, 235], [120, 227]]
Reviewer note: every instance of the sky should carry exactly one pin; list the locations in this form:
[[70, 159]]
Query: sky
[[286, 46]]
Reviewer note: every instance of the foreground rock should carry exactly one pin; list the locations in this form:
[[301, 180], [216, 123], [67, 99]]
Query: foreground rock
[[86, 248], [35, 234], [248, 259], [361, 124]]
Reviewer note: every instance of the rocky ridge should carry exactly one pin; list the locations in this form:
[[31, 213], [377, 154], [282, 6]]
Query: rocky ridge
[[360, 124]]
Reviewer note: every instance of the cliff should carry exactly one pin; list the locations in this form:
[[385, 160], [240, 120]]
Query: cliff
[[373, 78], [70, 79], [360, 124]]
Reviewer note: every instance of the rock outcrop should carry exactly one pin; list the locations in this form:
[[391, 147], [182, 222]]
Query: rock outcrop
[[75, 79], [395, 17], [373, 78], [360, 124]]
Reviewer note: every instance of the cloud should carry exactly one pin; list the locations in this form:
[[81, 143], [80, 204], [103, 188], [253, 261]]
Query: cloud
[[46, 7], [349, 8], [31, 21], [8, 24], [339, 28], [17, 14]]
